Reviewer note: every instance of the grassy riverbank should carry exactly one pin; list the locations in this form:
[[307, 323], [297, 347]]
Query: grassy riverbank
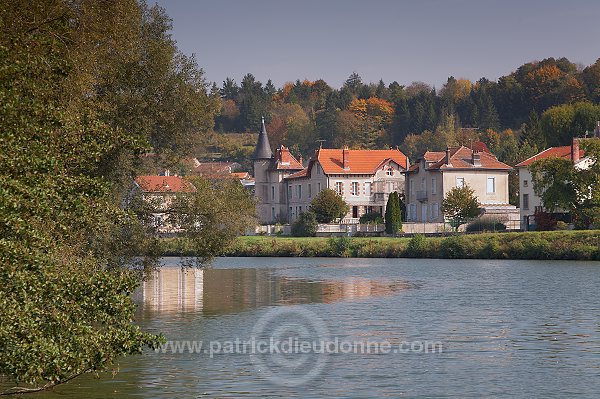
[[574, 245]]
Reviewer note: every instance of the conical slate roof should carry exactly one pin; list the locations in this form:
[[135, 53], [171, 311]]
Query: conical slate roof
[[263, 148]]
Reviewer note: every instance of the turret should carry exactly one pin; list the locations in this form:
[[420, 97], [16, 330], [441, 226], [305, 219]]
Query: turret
[[263, 158], [263, 148]]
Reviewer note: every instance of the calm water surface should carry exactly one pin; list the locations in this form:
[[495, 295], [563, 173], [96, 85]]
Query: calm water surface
[[508, 329]]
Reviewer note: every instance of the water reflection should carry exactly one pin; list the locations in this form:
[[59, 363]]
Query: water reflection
[[215, 291]]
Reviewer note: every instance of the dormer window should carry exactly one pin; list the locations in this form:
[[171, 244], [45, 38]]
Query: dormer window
[[389, 172]]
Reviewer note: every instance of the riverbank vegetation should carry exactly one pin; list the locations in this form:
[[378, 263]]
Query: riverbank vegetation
[[572, 245]]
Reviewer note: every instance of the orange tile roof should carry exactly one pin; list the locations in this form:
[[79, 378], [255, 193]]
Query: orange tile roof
[[164, 184], [552, 152], [461, 158], [285, 160], [359, 161], [240, 175], [480, 146], [434, 156]]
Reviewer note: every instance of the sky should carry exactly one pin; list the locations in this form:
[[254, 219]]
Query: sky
[[393, 40]]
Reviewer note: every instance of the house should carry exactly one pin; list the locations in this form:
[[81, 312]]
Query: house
[[437, 172], [364, 178], [160, 191], [214, 170], [530, 202]]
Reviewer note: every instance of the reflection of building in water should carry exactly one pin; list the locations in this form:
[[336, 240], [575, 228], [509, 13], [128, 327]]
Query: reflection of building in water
[[214, 291], [174, 289]]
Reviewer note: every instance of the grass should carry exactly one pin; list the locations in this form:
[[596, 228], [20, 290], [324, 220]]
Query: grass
[[574, 245]]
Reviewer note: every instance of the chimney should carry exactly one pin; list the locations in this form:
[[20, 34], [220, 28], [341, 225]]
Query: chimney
[[575, 150], [476, 158], [447, 156], [346, 158]]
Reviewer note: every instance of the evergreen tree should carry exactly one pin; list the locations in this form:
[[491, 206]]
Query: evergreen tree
[[393, 214]]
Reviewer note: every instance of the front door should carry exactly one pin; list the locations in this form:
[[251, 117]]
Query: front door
[[355, 212]]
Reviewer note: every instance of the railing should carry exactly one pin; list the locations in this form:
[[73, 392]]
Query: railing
[[351, 228]]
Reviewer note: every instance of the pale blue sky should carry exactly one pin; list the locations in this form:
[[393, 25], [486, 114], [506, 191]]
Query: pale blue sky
[[426, 40]]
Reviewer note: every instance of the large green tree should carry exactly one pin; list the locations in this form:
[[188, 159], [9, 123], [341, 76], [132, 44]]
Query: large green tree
[[575, 188], [328, 206], [86, 87]]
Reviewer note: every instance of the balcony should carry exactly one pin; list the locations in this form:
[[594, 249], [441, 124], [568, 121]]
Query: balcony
[[422, 196]]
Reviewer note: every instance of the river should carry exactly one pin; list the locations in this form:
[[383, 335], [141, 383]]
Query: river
[[358, 328]]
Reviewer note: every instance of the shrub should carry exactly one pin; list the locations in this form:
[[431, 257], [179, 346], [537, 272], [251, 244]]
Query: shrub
[[454, 248], [305, 226], [417, 246], [560, 225], [371, 218], [544, 221], [340, 246], [486, 224]]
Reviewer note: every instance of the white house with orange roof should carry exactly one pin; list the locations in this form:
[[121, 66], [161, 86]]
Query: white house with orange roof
[[436, 173], [530, 202], [160, 191], [364, 178]]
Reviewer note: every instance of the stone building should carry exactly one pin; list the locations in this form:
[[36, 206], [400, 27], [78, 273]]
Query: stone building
[[364, 178]]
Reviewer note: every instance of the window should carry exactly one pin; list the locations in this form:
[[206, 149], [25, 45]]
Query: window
[[460, 182], [319, 187], [289, 191], [339, 187], [389, 172], [423, 184], [435, 211], [525, 183], [299, 190], [368, 188], [273, 193], [433, 185], [273, 213], [526, 202], [354, 188], [411, 185], [309, 191], [491, 184]]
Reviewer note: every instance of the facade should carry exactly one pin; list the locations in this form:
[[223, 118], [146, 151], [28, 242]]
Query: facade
[[530, 202], [436, 173], [269, 173], [364, 178], [160, 191]]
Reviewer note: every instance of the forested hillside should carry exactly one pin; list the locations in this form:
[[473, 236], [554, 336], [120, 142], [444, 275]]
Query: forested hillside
[[542, 103]]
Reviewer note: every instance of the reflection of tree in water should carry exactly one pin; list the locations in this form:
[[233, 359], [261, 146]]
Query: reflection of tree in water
[[214, 291]]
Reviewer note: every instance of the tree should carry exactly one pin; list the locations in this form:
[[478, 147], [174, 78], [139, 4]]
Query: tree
[[459, 205], [64, 242], [305, 226], [561, 123], [86, 88], [393, 214], [562, 186], [213, 215], [328, 206]]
